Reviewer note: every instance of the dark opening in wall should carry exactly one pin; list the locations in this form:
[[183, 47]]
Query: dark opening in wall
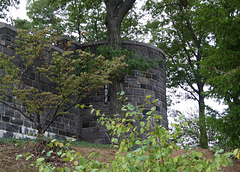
[[85, 125]]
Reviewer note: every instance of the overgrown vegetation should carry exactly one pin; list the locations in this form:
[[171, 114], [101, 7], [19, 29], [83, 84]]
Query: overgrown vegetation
[[142, 145], [69, 77], [133, 62]]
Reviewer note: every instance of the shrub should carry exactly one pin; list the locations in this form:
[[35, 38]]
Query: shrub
[[142, 145]]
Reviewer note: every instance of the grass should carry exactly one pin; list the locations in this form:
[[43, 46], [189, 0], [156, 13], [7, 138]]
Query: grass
[[10, 148], [20, 142]]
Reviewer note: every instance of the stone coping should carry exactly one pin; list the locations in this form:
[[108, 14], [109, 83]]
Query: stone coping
[[4, 25], [105, 42]]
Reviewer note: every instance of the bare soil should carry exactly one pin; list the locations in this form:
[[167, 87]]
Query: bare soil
[[8, 154]]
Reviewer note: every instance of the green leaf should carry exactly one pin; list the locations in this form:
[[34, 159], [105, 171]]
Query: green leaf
[[41, 168], [142, 123], [185, 124], [148, 97], [26, 154], [143, 158], [138, 142], [30, 156], [66, 159], [130, 107], [53, 140], [181, 117], [235, 152], [18, 156], [114, 140], [60, 169], [198, 167], [221, 151], [83, 106], [59, 152], [122, 93], [82, 161], [175, 159], [79, 168], [39, 160], [147, 127], [75, 163], [49, 153], [67, 169], [199, 154]]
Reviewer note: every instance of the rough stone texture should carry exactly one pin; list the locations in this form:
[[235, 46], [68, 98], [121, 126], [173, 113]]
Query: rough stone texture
[[80, 122]]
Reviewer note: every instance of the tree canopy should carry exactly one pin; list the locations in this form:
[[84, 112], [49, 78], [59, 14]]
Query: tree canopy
[[174, 29], [222, 65], [5, 5]]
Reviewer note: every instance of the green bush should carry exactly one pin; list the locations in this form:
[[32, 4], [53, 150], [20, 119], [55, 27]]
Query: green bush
[[142, 145]]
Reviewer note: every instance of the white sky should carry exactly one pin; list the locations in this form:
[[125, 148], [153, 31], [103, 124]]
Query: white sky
[[185, 106], [17, 13]]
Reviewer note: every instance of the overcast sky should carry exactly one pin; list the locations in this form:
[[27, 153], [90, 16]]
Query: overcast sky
[[17, 13]]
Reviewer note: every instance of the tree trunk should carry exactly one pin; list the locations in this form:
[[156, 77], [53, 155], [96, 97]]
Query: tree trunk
[[116, 11], [114, 40], [113, 28], [116, 87], [202, 120]]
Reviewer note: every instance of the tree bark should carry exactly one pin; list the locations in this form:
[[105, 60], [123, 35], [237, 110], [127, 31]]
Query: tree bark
[[116, 11], [202, 119]]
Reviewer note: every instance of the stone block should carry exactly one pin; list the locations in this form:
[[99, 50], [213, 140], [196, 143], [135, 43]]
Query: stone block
[[143, 80], [27, 123], [126, 84], [27, 81], [17, 115], [149, 87], [148, 75], [129, 91], [5, 118], [61, 132], [139, 92], [31, 75], [2, 125], [131, 78], [143, 86], [12, 127], [148, 92], [8, 135], [55, 130], [5, 37], [153, 83], [9, 113], [44, 87], [134, 85], [17, 121]]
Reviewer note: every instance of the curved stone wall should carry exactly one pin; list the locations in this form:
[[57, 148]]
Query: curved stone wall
[[139, 84], [80, 122]]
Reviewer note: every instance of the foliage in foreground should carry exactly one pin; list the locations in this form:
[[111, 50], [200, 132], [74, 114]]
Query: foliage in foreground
[[68, 77], [142, 145]]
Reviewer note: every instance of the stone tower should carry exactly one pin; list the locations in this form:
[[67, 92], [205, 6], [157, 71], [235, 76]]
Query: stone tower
[[81, 123]]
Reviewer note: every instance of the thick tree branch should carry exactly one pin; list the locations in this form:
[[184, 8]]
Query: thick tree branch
[[126, 6]]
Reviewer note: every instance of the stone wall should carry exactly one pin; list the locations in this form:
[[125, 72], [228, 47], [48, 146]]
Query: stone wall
[[80, 122]]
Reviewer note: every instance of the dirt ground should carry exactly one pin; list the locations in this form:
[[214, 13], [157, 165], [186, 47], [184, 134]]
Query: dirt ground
[[8, 155]]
